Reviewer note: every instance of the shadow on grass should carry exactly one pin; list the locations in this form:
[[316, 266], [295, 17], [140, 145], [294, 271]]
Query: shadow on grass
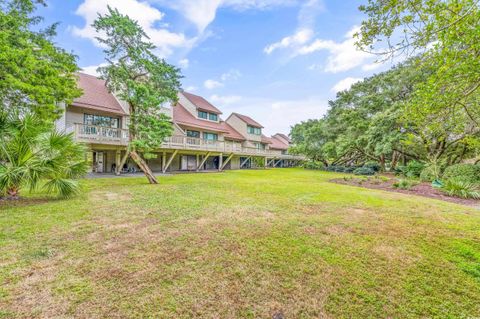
[[27, 201]]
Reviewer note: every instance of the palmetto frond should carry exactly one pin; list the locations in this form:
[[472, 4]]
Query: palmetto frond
[[31, 152]]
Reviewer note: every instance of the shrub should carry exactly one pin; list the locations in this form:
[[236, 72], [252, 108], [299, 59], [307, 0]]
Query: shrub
[[428, 174], [460, 188], [414, 169], [364, 171], [469, 173], [400, 170], [331, 168], [404, 184], [373, 165], [349, 169], [340, 169], [313, 165]]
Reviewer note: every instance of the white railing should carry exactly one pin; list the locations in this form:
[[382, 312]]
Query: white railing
[[107, 135], [100, 134]]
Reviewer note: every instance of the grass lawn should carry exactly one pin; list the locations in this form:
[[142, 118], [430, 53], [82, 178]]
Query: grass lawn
[[241, 244]]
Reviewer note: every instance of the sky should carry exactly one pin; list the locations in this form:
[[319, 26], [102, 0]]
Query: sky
[[278, 61]]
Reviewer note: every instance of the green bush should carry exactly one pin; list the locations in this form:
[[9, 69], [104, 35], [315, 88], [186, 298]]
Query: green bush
[[469, 173], [429, 174], [350, 169], [373, 165], [313, 165], [404, 184], [413, 169], [400, 170], [364, 171], [460, 188]]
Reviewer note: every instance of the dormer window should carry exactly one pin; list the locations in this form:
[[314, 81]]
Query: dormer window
[[202, 115], [207, 116], [254, 130]]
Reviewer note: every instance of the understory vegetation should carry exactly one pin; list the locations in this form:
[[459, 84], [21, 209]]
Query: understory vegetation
[[250, 244]]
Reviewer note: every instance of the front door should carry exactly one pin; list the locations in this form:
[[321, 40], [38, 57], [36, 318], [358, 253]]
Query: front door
[[99, 159]]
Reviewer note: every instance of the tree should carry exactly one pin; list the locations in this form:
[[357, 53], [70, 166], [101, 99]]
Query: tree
[[444, 109], [35, 75], [32, 152], [141, 79]]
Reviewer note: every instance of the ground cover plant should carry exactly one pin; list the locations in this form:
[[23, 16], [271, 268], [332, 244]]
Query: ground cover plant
[[240, 244]]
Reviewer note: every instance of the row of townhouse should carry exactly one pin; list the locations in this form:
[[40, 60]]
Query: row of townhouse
[[201, 139]]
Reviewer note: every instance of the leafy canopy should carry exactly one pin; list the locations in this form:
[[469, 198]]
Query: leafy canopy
[[35, 75], [139, 77]]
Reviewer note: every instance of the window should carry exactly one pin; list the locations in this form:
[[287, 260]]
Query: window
[[212, 117], [202, 115], [259, 146], [98, 120], [193, 134], [254, 130], [207, 116], [210, 136]]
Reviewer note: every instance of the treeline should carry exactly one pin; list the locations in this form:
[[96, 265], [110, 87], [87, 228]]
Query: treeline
[[379, 120], [426, 109]]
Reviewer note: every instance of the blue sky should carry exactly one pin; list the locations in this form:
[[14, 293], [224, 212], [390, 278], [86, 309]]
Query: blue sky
[[278, 61]]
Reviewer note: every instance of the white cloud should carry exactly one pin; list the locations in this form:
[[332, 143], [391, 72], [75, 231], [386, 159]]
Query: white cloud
[[343, 56], [345, 84], [225, 100], [147, 16], [92, 69], [300, 37], [202, 12], [232, 74], [212, 84], [184, 63], [191, 88], [279, 115]]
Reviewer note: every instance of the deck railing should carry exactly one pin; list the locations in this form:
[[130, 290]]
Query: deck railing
[[115, 136]]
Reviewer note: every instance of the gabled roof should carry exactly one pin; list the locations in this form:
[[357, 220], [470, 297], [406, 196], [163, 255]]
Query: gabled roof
[[248, 120], [183, 117], [277, 143], [96, 95], [266, 140], [201, 103], [285, 137]]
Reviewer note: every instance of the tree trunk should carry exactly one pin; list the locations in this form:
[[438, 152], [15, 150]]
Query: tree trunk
[[13, 192], [144, 167], [393, 164], [118, 170]]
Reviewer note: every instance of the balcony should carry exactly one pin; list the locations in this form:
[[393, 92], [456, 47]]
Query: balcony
[[113, 136], [100, 134]]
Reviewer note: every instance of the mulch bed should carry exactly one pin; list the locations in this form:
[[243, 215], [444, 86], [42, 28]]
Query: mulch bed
[[421, 189]]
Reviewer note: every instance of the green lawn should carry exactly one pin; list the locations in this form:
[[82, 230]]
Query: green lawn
[[243, 244]]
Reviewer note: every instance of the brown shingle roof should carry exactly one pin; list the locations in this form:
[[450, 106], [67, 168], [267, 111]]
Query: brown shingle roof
[[277, 143], [248, 120], [96, 95], [182, 117], [201, 103], [285, 137], [266, 140]]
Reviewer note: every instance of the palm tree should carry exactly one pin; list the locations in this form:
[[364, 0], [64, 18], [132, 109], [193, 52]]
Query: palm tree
[[34, 153]]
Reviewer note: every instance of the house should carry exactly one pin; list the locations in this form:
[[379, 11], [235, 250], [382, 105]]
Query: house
[[201, 139]]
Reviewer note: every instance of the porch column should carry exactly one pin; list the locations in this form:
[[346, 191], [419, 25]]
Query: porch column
[[118, 160], [164, 160], [220, 162]]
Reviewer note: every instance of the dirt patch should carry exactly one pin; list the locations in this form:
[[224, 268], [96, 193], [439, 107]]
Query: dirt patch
[[421, 189], [110, 196]]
